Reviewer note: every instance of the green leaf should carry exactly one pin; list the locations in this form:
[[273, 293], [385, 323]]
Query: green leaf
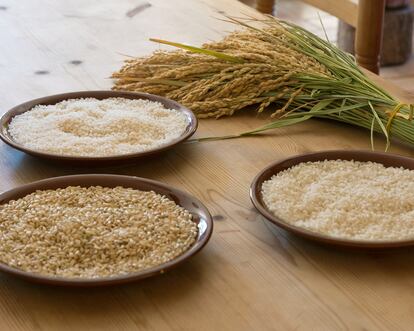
[[372, 133], [384, 130], [204, 51], [321, 105]]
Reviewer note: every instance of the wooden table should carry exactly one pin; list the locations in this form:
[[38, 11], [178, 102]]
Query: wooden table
[[246, 278]]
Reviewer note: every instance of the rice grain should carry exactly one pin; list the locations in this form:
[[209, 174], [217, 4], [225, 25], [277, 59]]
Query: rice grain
[[92, 127], [345, 199], [93, 232]]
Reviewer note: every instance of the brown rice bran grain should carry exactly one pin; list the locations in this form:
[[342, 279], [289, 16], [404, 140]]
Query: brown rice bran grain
[[93, 232]]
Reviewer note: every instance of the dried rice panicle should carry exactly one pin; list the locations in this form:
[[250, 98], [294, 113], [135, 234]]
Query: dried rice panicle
[[212, 87], [277, 63]]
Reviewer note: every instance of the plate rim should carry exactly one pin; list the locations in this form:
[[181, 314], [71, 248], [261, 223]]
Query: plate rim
[[360, 155], [201, 241]]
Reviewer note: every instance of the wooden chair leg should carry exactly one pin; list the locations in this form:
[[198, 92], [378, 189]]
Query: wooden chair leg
[[369, 33], [265, 6]]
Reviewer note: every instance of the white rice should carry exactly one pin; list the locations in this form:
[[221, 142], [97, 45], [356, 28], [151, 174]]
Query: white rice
[[346, 199], [92, 127]]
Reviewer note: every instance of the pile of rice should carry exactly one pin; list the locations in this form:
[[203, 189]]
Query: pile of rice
[[345, 199], [92, 127], [90, 232]]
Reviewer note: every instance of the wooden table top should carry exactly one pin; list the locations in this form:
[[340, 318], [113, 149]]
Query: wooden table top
[[247, 278]]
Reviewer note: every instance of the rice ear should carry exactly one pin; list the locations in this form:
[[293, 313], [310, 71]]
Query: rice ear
[[269, 63]]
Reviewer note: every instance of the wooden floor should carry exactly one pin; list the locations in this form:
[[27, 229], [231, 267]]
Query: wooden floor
[[307, 16]]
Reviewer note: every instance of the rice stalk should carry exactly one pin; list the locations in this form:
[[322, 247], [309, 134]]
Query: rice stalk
[[278, 63]]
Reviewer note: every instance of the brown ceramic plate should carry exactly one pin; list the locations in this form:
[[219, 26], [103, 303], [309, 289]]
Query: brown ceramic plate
[[53, 99], [389, 160], [200, 214]]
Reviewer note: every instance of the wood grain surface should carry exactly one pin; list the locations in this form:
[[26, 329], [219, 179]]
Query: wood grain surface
[[247, 277]]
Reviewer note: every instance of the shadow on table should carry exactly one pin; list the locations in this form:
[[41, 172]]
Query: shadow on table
[[154, 167], [367, 264], [116, 304]]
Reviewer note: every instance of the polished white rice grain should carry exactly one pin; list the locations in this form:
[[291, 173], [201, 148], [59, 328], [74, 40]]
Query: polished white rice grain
[[92, 127], [345, 199]]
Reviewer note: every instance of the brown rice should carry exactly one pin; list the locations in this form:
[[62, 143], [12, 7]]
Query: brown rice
[[93, 232]]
